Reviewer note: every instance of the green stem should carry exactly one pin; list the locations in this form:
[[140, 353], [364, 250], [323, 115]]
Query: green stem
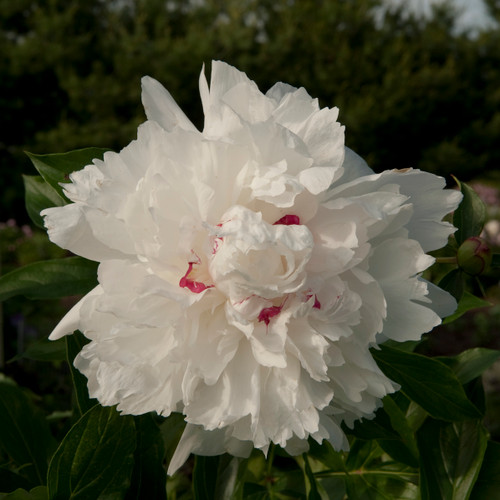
[[270, 459], [268, 475]]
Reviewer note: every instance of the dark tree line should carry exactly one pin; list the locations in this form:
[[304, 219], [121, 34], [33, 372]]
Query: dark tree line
[[411, 91]]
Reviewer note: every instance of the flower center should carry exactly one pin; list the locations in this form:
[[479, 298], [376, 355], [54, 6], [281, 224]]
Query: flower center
[[317, 304], [288, 220], [269, 312], [256, 265], [191, 284]]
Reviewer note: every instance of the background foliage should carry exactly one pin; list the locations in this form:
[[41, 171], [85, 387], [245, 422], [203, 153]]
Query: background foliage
[[412, 91]]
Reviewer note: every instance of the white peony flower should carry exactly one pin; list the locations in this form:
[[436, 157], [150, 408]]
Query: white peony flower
[[246, 270]]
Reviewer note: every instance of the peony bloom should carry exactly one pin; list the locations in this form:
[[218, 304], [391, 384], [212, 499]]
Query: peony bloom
[[246, 270]]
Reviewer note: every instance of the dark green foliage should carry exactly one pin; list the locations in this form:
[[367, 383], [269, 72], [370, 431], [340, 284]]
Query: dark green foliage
[[50, 279], [488, 481], [83, 403], [95, 458], [24, 434], [423, 380], [148, 475], [411, 91], [451, 457], [470, 216]]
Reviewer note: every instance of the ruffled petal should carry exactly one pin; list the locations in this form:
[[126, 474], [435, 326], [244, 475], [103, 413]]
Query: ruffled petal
[[247, 270], [161, 107]]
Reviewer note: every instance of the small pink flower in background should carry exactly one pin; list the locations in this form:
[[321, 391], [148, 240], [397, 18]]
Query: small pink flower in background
[[491, 197], [491, 232], [246, 270], [488, 194]]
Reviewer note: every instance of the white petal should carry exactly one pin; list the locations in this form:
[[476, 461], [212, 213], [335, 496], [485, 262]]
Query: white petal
[[71, 320], [440, 301], [354, 166], [425, 193], [68, 228], [280, 90], [395, 264], [207, 443], [317, 179], [161, 107]]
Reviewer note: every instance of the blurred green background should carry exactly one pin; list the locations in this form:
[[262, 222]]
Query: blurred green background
[[413, 91]]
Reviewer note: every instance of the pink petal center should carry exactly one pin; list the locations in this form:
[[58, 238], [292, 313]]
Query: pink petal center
[[317, 303], [193, 286], [288, 220], [269, 312]]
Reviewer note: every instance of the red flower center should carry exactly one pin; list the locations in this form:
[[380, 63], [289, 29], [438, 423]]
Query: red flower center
[[288, 220], [193, 286], [269, 312]]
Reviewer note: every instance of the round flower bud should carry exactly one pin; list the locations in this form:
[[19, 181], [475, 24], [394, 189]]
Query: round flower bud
[[474, 256]]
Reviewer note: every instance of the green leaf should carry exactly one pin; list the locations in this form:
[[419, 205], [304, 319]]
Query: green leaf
[[454, 283], [205, 477], [148, 476], [283, 475], [44, 350], [39, 195], [415, 416], [409, 345], [311, 486], [401, 426], [334, 486], [370, 479], [471, 363], [215, 477], [229, 474], [428, 382], [254, 491], [95, 459], [360, 454], [475, 392], [391, 430], [37, 493], [377, 428], [171, 430], [74, 344], [50, 279], [55, 168], [381, 485], [10, 481], [397, 450], [24, 434], [366, 473], [325, 453], [451, 457], [487, 485], [466, 303], [470, 216]]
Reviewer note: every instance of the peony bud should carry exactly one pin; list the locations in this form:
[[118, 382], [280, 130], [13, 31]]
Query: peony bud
[[474, 256]]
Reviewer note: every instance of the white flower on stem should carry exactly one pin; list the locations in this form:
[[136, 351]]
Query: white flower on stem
[[246, 270]]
